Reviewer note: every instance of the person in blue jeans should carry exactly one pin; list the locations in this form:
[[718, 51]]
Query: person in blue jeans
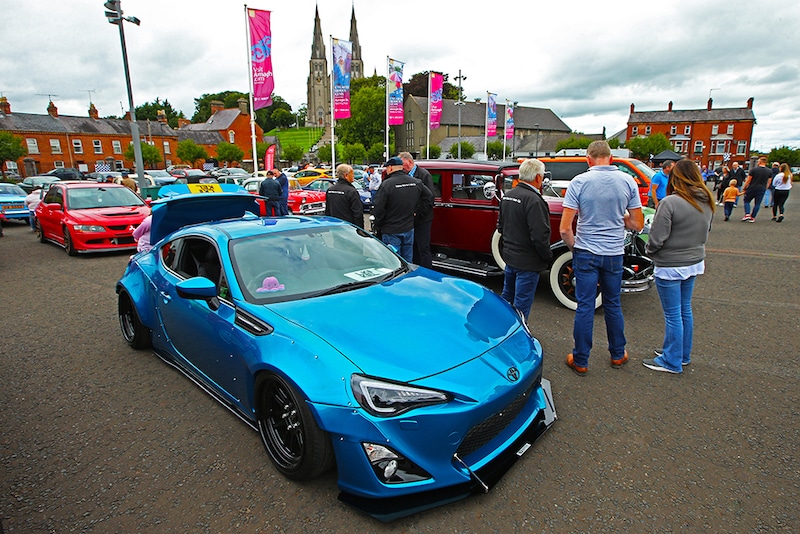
[[676, 244], [606, 202], [524, 223]]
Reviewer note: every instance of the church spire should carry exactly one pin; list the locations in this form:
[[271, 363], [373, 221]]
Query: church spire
[[318, 45], [356, 65]]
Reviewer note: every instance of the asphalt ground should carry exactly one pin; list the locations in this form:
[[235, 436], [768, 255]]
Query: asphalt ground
[[96, 437]]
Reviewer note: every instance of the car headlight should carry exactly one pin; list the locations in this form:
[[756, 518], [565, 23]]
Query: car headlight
[[386, 399], [303, 200], [88, 228]]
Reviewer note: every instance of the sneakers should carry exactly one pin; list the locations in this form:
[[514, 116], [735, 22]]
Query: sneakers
[[660, 352], [751, 220], [747, 218], [651, 364], [726, 218], [780, 219], [617, 364], [580, 371]]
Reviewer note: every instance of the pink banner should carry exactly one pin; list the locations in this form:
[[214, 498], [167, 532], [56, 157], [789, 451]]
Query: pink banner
[[436, 88], [342, 57], [491, 115], [509, 121], [395, 88], [269, 158], [261, 57]]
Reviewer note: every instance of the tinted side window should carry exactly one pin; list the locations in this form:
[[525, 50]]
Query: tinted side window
[[627, 170], [437, 184], [566, 170]]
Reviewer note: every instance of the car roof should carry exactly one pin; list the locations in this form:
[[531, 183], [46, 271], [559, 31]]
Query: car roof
[[468, 165], [83, 184]]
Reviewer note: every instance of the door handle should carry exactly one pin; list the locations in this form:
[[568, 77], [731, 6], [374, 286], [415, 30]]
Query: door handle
[[165, 297]]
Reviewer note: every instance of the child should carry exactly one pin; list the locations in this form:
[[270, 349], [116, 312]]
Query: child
[[729, 198]]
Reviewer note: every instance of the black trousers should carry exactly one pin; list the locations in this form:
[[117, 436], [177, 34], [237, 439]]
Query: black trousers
[[422, 244]]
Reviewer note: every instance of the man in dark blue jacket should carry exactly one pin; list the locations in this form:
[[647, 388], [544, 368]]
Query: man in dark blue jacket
[[272, 191], [524, 223]]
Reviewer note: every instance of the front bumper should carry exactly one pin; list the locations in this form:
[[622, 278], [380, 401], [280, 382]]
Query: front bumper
[[481, 480], [637, 274]]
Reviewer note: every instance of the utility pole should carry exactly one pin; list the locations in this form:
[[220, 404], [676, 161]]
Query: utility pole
[[460, 104]]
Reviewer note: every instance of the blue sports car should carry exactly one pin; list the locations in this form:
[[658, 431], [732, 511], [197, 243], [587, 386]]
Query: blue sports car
[[434, 402]]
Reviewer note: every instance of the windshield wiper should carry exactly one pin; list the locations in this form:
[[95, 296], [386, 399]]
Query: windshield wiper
[[347, 286]]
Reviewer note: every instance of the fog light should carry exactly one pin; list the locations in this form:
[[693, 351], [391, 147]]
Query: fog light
[[390, 467]]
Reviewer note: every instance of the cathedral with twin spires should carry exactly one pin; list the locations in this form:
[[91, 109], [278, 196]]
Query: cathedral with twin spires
[[319, 75]]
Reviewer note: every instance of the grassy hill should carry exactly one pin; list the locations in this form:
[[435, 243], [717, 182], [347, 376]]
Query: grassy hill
[[302, 137]]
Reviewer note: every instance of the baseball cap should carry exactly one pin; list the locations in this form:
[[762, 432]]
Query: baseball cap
[[393, 161]]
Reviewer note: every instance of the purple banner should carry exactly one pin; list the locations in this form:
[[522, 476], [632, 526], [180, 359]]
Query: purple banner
[[261, 57], [436, 87], [342, 57], [394, 86], [491, 115], [509, 121]]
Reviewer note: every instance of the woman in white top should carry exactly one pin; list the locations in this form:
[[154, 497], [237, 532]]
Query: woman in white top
[[783, 184]]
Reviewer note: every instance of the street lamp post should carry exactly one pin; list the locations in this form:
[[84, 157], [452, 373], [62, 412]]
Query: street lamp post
[[537, 140], [114, 16], [460, 104]]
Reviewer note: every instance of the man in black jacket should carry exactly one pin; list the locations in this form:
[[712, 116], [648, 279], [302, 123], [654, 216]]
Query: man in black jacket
[[342, 200], [524, 223], [397, 200], [272, 191], [423, 219]]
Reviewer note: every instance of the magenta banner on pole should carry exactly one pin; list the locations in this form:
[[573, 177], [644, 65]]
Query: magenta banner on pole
[[509, 121], [261, 57], [395, 88], [269, 158], [342, 57], [491, 115], [436, 88]]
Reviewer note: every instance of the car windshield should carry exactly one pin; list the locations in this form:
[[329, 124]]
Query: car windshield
[[301, 264], [11, 189], [101, 197], [644, 169]]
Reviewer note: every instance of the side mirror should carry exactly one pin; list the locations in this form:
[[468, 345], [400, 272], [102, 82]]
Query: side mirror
[[489, 190]]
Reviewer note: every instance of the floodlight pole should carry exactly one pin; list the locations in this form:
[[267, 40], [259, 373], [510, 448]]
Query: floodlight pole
[[114, 16]]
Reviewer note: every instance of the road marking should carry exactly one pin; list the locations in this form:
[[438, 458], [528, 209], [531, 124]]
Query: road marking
[[753, 253]]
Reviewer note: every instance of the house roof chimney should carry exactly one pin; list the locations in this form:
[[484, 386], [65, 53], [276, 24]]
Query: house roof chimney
[[710, 101], [216, 105], [93, 111], [162, 116], [669, 106], [631, 108], [52, 110], [243, 106], [183, 122], [749, 103], [5, 106]]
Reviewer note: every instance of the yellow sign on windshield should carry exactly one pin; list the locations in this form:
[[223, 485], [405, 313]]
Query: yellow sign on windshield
[[204, 188]]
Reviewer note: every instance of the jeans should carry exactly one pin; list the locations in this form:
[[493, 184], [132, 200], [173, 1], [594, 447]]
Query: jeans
[[756, 195], [402, 243], [519, 288], [590, 270], [769, 195], [676, 300], [32, 220], [728, 209]]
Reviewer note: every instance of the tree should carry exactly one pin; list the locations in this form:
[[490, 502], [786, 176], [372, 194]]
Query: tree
[[150, 154], [417, 85], [367, 113], [283, 118], [324, 152], [574, 141], [189, 152], [292, 153], [432, 152], [354, 153], [643, 147], [302, 115], [494, 150], [202, 105], [376, 154], [11, 149], [784, 154], [149, 111], [467, 150], [229, 153]]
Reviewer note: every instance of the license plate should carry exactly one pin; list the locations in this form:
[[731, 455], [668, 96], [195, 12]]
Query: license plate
[[205, 188]]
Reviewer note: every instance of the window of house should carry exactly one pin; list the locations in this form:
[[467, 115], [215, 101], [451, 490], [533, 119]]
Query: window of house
[[166, 148], [741, 147], [12, 166], [98, 146], [55, 146], [58, 164], [730, 129], [673, 130], [231, 136], [715, 129], [687, 130], [647, 130], [33, 146], [117, 147], [77, 146], [679, 146], [719, 147], [635, 130], [698, 147], [119, 164]]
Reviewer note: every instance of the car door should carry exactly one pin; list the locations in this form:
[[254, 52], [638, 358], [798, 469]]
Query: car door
[[201, 333], [464, 218], [51, 214]]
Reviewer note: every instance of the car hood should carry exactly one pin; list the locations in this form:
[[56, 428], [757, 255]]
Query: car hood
[[409, 328], [12, 198], [311, 196], [181, 207], [110, 216]]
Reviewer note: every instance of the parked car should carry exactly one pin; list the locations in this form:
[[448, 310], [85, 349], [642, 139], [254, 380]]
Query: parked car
[[464, 236], [12, 202], [561, 169], [191, 176], [30, 182], [322, 184], [309, 175], [301, 201], [412, 421], [160, 177], [67, 173], [89, 217], [102, 176]]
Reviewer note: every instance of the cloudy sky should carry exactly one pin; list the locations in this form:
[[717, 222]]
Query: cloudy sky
[[586, 61]]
